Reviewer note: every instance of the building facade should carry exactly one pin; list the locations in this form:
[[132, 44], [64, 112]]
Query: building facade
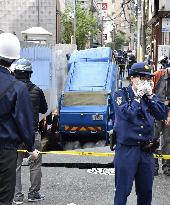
[[159, 21], [19, 15]]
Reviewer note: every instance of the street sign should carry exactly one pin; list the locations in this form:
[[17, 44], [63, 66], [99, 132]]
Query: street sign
[[104, 6], [163, 50], [165, 24], [105, 36]]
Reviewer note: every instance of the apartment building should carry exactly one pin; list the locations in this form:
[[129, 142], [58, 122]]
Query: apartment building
[[19, 15], [159, 21]]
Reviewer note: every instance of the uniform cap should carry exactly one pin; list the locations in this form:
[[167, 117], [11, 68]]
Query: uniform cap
[[140, 69]]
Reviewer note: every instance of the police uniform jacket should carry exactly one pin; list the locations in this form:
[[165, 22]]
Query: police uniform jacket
[[134, 120], [16, 103]]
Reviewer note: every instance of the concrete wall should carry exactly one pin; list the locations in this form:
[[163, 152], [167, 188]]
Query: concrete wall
[[60, 64], [49, 68], [19, 15]]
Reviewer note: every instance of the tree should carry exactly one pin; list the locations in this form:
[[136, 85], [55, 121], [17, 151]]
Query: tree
[[120, 40], [67, 26], [85, 26], [111, 45]]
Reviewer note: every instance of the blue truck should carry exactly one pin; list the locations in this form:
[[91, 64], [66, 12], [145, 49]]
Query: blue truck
[[86, 105]]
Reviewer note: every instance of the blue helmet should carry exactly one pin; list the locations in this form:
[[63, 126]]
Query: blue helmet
[[140, 69], [22, 65]]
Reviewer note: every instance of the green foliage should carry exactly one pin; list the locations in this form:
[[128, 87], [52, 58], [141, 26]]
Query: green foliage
[[120, 40], [85, 26], [111, 45], [67, 26]]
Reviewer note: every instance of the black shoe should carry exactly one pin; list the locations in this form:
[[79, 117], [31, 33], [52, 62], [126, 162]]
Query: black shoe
[[36, 196]]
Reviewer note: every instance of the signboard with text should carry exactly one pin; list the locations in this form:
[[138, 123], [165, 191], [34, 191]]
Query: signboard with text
[[165, 24], [104, 6], [163, 50]]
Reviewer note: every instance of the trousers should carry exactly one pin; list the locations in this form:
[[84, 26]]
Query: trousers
[[35, 170], [131, 163], [163, 131], [8, 159]]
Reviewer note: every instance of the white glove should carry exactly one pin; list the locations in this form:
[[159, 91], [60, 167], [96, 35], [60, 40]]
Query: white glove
[[140, 93], [148, 87], [141, 89], [35, 154]]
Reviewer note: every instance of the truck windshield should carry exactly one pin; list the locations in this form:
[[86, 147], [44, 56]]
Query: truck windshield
[[85, 98]]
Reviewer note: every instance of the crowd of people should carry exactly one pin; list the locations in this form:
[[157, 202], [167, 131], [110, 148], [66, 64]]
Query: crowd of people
[[142, 108], [125, 60]]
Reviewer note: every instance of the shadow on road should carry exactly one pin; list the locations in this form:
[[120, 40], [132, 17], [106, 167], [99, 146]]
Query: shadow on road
[[79, 165]]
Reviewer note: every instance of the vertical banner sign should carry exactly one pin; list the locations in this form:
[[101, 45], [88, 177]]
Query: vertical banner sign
[[104, 6]]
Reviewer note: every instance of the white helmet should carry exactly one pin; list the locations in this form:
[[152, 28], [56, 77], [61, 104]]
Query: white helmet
[[9, 47]]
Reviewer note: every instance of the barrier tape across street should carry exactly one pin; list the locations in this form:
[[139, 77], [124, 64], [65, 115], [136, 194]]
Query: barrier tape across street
[[93, 154]]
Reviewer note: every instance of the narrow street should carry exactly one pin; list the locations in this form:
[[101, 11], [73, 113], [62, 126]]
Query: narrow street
[[74, 180], [77, 75]]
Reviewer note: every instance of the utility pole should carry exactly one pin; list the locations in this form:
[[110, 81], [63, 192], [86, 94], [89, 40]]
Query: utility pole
[[102, 31], [144, 29], [74, 24], [139, 18], [143, 36]]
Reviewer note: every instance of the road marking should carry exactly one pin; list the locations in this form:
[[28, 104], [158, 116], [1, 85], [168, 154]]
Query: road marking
[[71, 204], [102, 171]]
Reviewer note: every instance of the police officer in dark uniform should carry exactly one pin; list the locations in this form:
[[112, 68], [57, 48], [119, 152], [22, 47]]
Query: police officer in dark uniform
[[136, 108], [23, 71], [16, 118]]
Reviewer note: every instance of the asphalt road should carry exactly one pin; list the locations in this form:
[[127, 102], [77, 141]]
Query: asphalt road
[[74, 180], [83, 180]]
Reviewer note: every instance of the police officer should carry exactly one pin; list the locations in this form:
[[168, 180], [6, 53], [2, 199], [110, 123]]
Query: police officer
[[16, 118], [22, 71], [136, 108]]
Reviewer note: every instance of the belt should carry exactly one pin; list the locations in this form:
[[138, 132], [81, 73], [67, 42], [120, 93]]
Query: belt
[[136, 144]]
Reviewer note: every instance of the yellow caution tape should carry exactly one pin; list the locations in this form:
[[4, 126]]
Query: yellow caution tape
[[93, 154]]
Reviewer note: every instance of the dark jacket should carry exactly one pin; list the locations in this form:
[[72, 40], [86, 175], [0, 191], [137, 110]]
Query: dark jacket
[[19, 126], [162, 89], [134, 121], [38, 101]]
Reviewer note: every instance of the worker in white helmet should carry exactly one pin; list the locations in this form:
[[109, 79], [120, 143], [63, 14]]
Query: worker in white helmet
[[16, 118]]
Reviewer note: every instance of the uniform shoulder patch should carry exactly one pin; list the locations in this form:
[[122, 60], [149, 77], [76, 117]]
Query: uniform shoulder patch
[[119, 100]]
